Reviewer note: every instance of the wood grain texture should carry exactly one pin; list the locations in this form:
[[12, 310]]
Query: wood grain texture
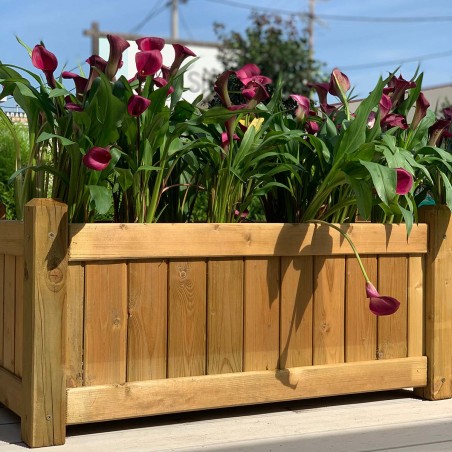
[[105, 323], [329, 306], [2, 288], [11, 394], [261, 324], [147, 326], [225, 316], [141, 241], [296, 312], [392, 329], [360, 323], [19, 316], [438, 308], [75, 312], [12, 238], [416, 346], [98, 403], [187, 318], [9, 312], [43, 379]]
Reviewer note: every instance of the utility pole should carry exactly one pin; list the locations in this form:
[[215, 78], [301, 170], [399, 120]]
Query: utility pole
[[310, 32], [174, 19]]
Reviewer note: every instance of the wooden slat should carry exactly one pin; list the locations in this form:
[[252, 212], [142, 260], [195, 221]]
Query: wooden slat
[[392, 329], [329, 305], [9, 313], [19, 316], [261, 324], [12, 238], [415, 306], [105, 323], [147, 326], [296, 312], [11, 394], [187, 318], [99, 403], [75, 314], [2, 287], [360, 323], [225, 316], [135, 241]]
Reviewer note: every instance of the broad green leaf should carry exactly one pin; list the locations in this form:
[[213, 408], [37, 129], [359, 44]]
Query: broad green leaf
[[101, 197], [384, 180], [363, 195], [48, 136]]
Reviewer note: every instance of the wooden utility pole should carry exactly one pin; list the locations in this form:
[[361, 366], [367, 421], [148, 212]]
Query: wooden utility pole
[[174, 19]]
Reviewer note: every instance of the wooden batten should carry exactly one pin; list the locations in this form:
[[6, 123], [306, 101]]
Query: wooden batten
[[138, 241], [12, 238], [108, 402], [11, 394]]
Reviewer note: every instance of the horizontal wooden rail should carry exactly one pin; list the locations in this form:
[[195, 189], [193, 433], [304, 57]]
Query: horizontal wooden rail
[[138, 241], [108, 402], [11, 391], [12, 238]]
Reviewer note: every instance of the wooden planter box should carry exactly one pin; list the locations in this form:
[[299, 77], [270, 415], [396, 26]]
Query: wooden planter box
[[111, 321]]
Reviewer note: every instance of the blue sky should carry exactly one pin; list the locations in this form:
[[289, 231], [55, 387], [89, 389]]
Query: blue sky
[[356, 47]]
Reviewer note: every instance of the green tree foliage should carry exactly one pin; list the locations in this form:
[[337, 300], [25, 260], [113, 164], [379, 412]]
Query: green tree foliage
[[278, 46], [8, 163]]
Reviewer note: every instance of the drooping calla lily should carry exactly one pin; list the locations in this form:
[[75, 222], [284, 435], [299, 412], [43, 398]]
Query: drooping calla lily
[[380, 304], [161, 82], [97, 64], [221, 88], [180, 54], [252, 73], [79, 81], [137, 105], [422, 105], [117, 47], [395, 120], [322, 92], [150, 43], [148, 62], [339, 84], [303, 106], [404, 181], [97, 158], [46, 61]]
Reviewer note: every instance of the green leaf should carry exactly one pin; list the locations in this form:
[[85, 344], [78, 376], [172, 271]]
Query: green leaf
[[125, 177], [48, 136], [101, 197], [448, 187], [384, 180], [363, 194], [408, 217]]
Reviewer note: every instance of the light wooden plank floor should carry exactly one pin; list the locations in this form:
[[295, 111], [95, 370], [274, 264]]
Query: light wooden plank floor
[[369, 422]]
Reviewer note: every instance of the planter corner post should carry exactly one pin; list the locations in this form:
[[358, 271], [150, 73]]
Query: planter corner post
[[438, 303], [44, 387]]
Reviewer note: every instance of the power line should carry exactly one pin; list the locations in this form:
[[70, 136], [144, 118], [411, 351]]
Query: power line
[[430, 56], [153, 13]]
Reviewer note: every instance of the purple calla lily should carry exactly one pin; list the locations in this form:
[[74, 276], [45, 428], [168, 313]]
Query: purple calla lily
[[221, 88], [46, 61], [79, 81], [97, 158], [404, 181], [180, 54], [395, 120], [252, 73], [422, 105], [161, 82], [148, 62], [438, 130], [150, 43], [380, 304], [339, 84], [303, 106], [137, 105], [117, 47]]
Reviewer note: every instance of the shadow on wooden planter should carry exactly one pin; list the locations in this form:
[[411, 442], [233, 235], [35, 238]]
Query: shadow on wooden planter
[[109, 321]]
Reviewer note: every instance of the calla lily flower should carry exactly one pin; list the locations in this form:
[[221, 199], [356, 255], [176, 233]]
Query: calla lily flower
[[380, 304], [339, 84], [117, 47], [180, 54], [97, 64], [221, 88], [395, 120], [148, 62], [303, 106], [79, 81], [447, 112], [97, 158], [71, 106], [438, 130], [422, 105], [137, 105], [397, 88], [161, 82], [150, 43], [384, 106], [46, 61], [404, 181], [225, 140], [322, 92], [252, 73]]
